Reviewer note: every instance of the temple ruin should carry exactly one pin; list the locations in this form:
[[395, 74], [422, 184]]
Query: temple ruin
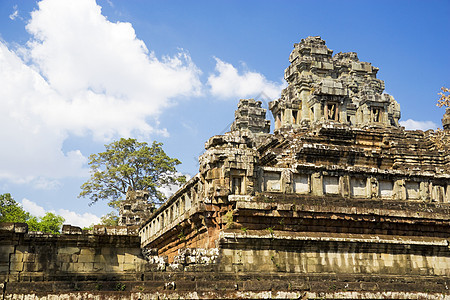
[[339, 202]]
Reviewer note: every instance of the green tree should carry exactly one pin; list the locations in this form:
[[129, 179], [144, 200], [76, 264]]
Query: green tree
[[110, 219], [126, 164], [11, 211], [50, 223]]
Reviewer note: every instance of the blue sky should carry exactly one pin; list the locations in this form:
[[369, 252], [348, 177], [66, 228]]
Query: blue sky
[[78, 74]]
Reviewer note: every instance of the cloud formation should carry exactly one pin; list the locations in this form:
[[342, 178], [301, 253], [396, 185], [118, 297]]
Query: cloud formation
[[70, 217], [33, 208], [228, 82], [80, 74], [15, 13], [418, 125]]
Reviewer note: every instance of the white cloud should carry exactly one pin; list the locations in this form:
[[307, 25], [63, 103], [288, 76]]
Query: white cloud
[[33, 208], [229, 83], [71, 217], [31, 148], [84, 75], [75, 219], [418, 125], [15, 13], [170, 189]]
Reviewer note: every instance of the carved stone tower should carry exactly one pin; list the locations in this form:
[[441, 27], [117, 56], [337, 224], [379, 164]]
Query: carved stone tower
[[251, 116], [135, 209], [326, 88]]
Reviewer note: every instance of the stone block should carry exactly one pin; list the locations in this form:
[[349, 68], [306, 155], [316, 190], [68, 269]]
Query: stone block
[[99, 259], [5, 252], [84, 267], [7, 226], [20, 227], [129, 258], [63, 258], [129, 267], [4, 268], [99, 267], [87, 251], [69, 250], [17, 257], [16, 267], [74, 258], [86, 258], [32, 267], [65, 266], [29, 257]]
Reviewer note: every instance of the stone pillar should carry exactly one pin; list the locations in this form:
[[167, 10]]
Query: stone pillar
[[286, 181], [424, 191], [317, 184], [399, 192], [372, 187], [447, 194], [317, 111], [304, 96], [344, 186]]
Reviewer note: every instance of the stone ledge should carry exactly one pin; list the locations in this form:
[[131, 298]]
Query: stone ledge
[[332, 237], [232, 286]]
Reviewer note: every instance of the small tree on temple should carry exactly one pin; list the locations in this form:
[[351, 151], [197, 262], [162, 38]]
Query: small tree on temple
[[126, 164]]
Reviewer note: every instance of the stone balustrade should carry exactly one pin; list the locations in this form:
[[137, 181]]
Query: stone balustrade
[[178, 207]]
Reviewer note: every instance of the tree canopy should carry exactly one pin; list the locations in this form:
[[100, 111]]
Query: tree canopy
[[126, 164], [11, 211]]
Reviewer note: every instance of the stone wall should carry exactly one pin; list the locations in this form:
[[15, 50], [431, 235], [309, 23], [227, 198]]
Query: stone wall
[[105, 253], [106, 263], [312, 253]]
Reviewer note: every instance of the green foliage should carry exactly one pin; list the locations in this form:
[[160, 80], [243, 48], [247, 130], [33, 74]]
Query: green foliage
[[110, 219], [120, 286], [181, 236], [126, 164], [11, 211], [50, 223]]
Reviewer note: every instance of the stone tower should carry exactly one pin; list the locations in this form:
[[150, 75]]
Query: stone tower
[[135, 208], [251, 116], [336, 89]]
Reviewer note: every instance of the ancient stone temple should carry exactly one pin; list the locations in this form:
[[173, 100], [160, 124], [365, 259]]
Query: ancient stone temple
[[339, 202]]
